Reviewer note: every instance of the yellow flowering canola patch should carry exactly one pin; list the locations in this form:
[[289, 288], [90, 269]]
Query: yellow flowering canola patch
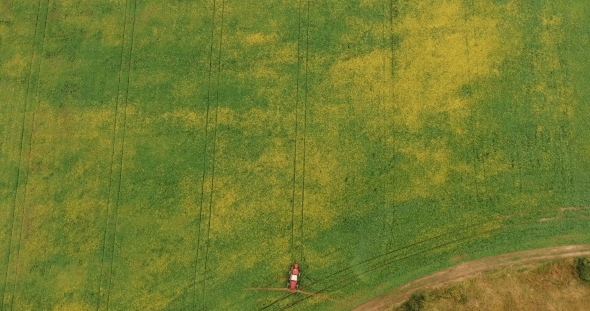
[[170, 155]]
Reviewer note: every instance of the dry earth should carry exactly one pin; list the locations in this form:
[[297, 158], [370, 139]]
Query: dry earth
[[401, 294]]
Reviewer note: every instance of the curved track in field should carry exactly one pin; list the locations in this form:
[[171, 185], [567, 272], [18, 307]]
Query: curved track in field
[[399, 295], [343, 277]]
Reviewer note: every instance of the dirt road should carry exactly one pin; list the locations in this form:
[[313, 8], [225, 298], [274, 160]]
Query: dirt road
[[401, 294]]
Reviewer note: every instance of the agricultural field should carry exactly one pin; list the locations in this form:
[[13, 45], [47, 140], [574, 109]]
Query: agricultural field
[[169, 155]]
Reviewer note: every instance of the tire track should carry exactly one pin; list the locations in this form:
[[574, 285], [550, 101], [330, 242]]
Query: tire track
[[401, 249], [388, 263], [213, 156], [296, 132], [20, 155], [558, 128], [351, 278], [474, 236], [121, 152], [521, 140], [20, 151], [566, 136], [453, 232], [472, 120], [304, 131], [300, 134], [114, 137], [393, 14], [409, 246], [470, 268], [564, 129], [204, 155], [349, 268], [275, 302], [482, 168]]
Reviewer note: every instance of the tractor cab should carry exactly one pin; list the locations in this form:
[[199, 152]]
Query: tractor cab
[[294, 278]]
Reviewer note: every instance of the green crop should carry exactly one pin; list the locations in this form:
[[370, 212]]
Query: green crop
[[168, 155]]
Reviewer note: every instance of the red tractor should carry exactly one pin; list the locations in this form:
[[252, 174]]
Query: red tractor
[[294, 278], [292, 285]]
